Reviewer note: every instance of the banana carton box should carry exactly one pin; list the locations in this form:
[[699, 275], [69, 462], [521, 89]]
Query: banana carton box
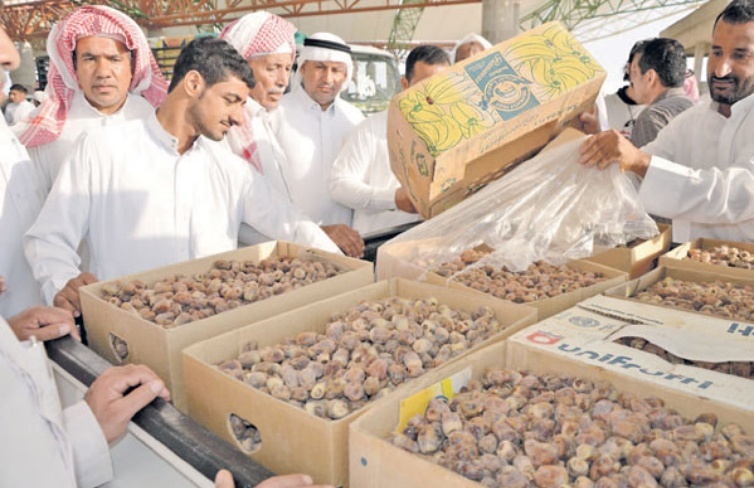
[[451, 134]]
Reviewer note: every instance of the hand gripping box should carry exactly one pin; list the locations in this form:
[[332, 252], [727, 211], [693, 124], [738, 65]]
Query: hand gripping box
[[124, 337], [292, 440], [451, 134], [376, 463]]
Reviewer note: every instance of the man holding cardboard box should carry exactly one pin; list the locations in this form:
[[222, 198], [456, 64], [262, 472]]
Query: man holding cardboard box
[[361, 177], [700, 169]]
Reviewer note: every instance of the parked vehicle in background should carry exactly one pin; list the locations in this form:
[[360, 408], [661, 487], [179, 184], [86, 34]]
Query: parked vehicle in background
[[376, 79]]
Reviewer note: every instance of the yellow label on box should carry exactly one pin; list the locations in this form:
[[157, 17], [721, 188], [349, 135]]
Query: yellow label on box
[[417, 403]]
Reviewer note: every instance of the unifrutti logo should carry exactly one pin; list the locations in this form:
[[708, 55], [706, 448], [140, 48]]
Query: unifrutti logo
[[743, 329], [629, 363], [544, 338]]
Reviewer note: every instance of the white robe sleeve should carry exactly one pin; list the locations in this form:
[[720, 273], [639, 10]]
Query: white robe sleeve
[[51, 243], [272, 215], [706, 196], [91, 454], [712, 196], [349, 171]]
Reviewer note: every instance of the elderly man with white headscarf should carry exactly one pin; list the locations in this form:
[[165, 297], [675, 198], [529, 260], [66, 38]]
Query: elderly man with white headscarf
[[102, 72], [468, 46], [311, 125], [267, 43]]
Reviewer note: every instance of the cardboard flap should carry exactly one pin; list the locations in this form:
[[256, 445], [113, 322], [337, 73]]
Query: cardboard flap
[[693, 345]]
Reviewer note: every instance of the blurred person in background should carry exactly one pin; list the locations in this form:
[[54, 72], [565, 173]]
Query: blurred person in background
[[620, 109], [18, 107], [658, 70], [691, 87], [469, 46]]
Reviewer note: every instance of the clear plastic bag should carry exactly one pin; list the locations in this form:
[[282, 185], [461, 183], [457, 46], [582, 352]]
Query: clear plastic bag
[[550, 209]]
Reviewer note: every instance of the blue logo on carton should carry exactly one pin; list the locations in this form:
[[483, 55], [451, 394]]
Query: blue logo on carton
[[583, 321], [502, 87]]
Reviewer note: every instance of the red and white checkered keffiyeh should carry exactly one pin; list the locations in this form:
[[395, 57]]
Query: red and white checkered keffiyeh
[[86, 21], [258, 34]]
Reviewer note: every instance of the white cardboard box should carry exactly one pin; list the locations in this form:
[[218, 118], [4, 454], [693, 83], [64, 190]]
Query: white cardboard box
[[587, 333]]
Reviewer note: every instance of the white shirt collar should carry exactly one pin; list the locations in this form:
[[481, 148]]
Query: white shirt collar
[[737, 108], [159, 133], [310, 104], [80, 100], [254, 108]]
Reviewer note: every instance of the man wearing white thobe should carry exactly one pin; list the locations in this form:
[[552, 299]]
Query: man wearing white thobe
[[267, 43], [361, 177], [700, 169], [311, 126], [22, 199], [19, 107], [102, 73], [157, 191]]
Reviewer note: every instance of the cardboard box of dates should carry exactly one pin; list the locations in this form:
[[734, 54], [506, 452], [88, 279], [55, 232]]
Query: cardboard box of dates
[[122, 316], [534, 418], [637, 257], [288, 399], [395, 262], [732, 258], [706, 356], [563, 287]]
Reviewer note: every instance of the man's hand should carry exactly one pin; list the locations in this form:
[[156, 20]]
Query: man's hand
[[3, 286], [224, 479], [44, 323], [348, 240], [68, 297], [603, 149], [402, 202], [113, 407], [288, 481], [589, 122]]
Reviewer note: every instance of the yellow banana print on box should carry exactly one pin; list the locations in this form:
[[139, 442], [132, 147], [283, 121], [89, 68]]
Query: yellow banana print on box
[[442, 113], [553, 60]]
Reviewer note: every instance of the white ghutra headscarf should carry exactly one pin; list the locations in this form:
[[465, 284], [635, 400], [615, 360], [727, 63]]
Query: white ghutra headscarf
[[325, 47]]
